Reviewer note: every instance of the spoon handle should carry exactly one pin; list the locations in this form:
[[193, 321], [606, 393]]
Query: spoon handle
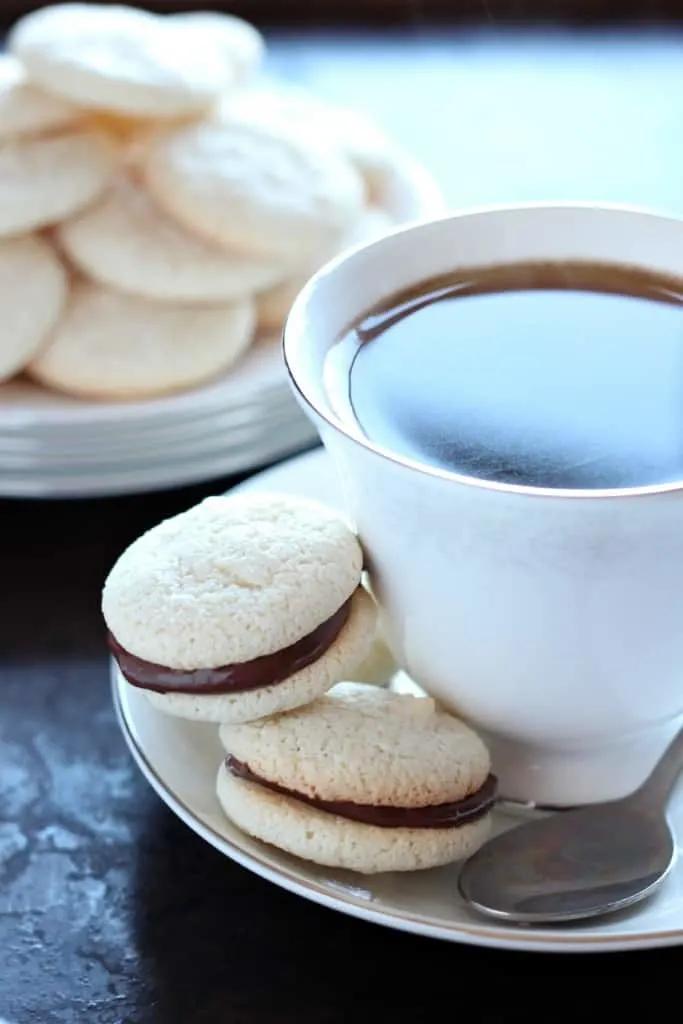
[[654, 792]]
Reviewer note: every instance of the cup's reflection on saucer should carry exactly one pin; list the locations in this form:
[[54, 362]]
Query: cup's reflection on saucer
[[548, 617]]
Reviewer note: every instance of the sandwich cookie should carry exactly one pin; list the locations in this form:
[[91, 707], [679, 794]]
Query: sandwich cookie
[[128, 242], [239, 608], [363, 779], [108, 345], [258, 188], [121, 59]]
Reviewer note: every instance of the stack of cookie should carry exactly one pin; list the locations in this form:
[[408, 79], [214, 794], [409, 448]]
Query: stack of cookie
[[250, 612], [160, 200]]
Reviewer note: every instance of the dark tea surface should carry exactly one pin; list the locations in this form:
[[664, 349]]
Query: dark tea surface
[[549, 375]]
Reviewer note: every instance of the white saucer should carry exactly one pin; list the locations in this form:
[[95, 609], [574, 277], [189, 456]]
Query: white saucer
[[180, 761]]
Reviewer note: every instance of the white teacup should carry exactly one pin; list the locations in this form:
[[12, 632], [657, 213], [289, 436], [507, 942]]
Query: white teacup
[[552, 620]]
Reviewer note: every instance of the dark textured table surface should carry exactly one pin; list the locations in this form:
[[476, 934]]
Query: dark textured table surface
[[111, 910]]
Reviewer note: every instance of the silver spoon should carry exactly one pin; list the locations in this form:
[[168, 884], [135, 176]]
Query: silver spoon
[[579, 863]]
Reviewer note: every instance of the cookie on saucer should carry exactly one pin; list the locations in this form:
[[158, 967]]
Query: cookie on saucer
[[363, 778], [241, 607]]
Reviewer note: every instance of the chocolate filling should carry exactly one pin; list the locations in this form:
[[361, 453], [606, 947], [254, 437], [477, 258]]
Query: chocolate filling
[[247, 675], [460, 812]]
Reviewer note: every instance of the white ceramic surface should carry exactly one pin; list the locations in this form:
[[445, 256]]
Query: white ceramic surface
[[184, 439], [180, 760], [52, 445], [550, 618], [146, 475]]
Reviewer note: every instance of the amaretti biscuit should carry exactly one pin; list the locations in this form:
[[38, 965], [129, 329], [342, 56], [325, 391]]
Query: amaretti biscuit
[[363, 778], [241, 607]]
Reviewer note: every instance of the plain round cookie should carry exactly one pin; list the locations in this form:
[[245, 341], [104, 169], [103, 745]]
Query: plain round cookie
[[243, 44], [367, 745], [328, 839], [128, 242], [353, 132], [258, 188], [121, 59], [33, 289], [44, 179], [273, 304], [24, 108], [338, 661], [109, 345], [231, 579]]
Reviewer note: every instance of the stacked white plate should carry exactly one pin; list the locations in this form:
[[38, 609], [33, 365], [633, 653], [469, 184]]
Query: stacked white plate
[[52, 445]]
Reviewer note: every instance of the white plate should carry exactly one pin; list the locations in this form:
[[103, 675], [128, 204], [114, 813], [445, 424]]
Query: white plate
[[144, 476], [216, 435], [87, 441], [180, 760]]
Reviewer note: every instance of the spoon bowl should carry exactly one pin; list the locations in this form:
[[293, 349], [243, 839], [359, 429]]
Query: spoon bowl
[[579, 863], [534, 874]]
